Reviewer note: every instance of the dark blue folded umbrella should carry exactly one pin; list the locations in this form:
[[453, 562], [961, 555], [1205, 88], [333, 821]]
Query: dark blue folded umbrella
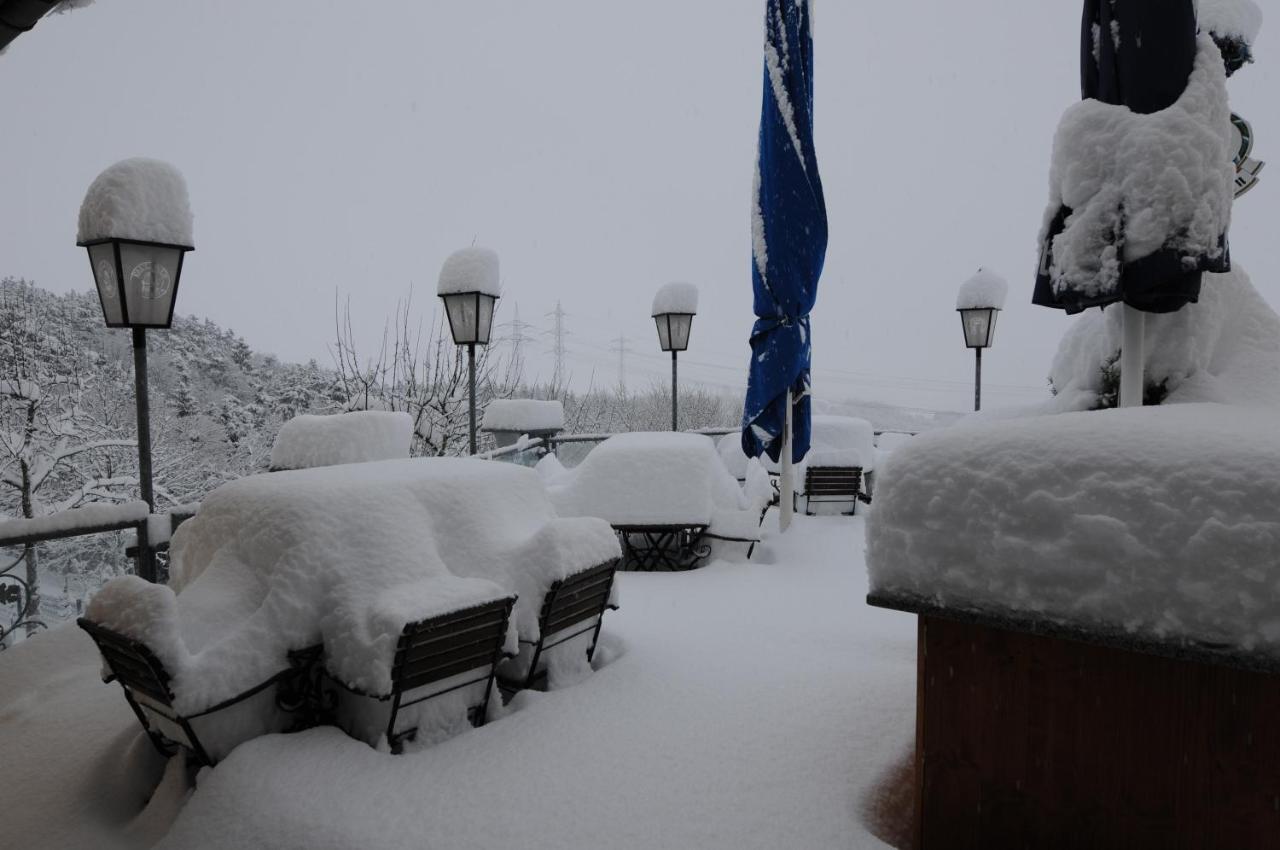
[[1144, 67], [789, 237]]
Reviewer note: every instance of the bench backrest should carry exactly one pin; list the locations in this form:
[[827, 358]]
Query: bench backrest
[[577, 598], [440, 647], [832, 480]]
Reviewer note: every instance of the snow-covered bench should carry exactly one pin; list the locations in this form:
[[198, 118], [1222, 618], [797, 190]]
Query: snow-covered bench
[[838, 467]]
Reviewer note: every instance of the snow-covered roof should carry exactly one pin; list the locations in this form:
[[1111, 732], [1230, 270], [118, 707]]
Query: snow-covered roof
[[984, 289], [470, 270], [1158, 521], [356, 437], [676, 297], [648, 478], [524, 415], [142, 199]]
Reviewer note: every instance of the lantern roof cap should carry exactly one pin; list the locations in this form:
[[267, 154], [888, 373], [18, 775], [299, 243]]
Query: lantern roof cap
[[985, 289], [677, 297], [472, 269], [139, 199]]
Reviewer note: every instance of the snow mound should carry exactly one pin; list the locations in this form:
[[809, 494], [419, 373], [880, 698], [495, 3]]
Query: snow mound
[[1230, 18], [676, 298], [984, 289], [142, 199], [524, 415], [470, 270], [1138, 183], [1162, 521], [735, 459], [357, 437], [649, 478], [1226, 348], [345, 556]]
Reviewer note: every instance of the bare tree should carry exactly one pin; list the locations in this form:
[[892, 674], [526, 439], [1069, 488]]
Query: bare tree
[[425, 378]]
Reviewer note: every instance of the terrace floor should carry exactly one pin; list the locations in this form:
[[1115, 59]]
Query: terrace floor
[[741, 705]]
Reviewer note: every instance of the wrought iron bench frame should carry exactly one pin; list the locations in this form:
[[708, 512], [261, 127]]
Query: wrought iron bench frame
[[824, 484], [145, 683], [575, 603], [461, 642], [676, 546]]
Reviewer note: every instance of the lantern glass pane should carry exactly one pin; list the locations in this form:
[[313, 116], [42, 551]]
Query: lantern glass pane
[[681, 323], [461, 308], [486, 304], [150, 283], [977, 326], [102, 259], [664, 331]]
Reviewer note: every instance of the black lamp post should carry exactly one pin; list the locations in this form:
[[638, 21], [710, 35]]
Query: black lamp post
[[470, 322], [673, 336], [979, 329], [137, 284]]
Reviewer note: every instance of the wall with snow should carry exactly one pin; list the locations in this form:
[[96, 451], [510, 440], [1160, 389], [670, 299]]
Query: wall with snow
[[523, 415]]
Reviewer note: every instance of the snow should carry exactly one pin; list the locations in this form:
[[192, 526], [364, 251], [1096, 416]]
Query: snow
[[1239, 18], [143, 199], [89, 516], [344, 556], [470, 270], [984, 289], [524, 415], [1162, 180], [779, 734], [649, 478], [355, 437], [1161, 521], [676, 298], [1226, 348], [735, 459]]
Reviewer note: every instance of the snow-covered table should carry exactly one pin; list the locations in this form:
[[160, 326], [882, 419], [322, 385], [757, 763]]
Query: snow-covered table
[[1098, 603], [662, 492]]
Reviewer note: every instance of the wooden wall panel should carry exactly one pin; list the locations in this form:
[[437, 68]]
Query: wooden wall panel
[[1037, 742]]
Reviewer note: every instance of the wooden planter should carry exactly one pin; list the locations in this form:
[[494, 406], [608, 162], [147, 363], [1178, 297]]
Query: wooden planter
[[1035, 735]]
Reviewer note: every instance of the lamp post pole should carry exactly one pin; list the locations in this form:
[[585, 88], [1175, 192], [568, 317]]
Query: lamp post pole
[[146, 555], [977, 379], [471, 380], [675, 396]]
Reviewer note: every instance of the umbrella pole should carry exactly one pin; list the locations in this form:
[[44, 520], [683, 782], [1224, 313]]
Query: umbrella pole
[[786, 494], [1131, 357]]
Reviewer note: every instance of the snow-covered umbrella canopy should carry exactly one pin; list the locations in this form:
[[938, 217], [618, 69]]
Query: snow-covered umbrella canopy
[[1141, 177], [136, 223], [470, 287], [789, 237]]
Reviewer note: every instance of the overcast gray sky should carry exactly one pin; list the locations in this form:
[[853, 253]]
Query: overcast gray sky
[[602, 148]]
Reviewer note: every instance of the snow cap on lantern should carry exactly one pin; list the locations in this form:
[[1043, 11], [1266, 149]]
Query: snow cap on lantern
[[470, 286]]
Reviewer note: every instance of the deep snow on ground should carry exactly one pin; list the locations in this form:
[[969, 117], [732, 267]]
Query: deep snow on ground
[[740, 705]]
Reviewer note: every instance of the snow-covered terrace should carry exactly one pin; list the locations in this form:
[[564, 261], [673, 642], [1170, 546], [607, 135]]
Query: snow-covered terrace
[[746, 704]]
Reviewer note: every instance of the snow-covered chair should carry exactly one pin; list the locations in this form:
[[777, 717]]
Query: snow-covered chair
[[842, 456], [135, 625], [450, 659], [359, 436]]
